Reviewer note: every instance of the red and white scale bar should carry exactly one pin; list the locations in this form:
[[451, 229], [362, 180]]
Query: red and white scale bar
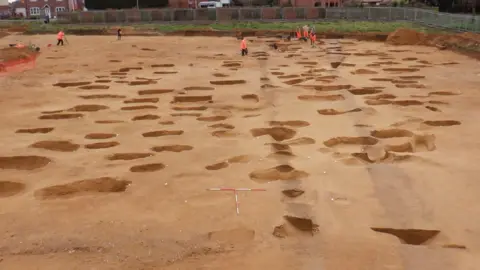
[[235, 190]]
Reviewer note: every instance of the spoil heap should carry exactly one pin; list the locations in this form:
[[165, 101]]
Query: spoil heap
[[404, 36]]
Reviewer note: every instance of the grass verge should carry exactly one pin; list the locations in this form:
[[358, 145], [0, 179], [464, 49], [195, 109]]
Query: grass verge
[[338, 26]]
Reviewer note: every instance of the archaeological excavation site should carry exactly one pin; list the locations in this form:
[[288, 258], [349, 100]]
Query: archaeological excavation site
[[176, 152]]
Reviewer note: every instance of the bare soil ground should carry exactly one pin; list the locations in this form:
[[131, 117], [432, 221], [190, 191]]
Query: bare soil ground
[[11, 54], [368, 153]]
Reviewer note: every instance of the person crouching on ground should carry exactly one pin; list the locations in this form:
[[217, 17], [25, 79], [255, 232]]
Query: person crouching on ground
[[243, 46], [293, 35], [274, 46], [17, 45], [60, 37]]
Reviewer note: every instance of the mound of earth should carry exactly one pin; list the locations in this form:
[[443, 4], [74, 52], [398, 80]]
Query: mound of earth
[[11, 54], [404, 36], [17, 28], [3, 34], [469, 41]]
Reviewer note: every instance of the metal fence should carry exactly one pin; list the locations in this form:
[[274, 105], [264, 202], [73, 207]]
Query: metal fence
[[425, 17], [460, 22]]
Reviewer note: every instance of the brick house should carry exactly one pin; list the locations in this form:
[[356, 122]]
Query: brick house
[[246, 3], [329, 3], [312, 3], [50, 8], [4, 8]]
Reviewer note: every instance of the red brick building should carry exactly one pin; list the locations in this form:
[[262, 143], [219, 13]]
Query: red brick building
[[312, 3], [4, 11], [50, 8], [246, 3], [4, 8], [182, 3], [329, 3]]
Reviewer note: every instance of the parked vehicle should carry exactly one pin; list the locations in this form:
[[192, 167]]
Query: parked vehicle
[[214, 4], [209, 4]]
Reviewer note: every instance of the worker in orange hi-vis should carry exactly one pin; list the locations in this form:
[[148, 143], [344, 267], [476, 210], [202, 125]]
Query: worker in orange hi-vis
[[60, 37], [313, 38], [299, 34], [243, 46], [305, 34]]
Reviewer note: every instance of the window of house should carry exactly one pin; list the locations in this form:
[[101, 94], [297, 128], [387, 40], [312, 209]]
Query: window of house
[[34, 11], [60, 9]]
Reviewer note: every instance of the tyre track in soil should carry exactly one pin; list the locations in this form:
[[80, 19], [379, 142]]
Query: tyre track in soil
[[307, 247], [392, 188]]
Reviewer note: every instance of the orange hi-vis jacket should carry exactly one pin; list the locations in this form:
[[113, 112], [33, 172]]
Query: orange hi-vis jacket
[[299, 35], [243, 44], [305, 33], [313, 37], [60, 35]]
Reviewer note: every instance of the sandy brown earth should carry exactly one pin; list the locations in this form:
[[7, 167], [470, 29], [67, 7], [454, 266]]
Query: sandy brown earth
[[367, 152]]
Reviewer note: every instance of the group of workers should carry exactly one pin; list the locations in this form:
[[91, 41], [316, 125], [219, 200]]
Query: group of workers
[[308, 34], [20, 45], [60, 38]]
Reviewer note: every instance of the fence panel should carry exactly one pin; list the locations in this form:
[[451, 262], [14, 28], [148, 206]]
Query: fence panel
[[133, 15], [397, 14], [99, 17], [445, 20], [69, 17], [183, 14], [460, 22], [410, 14], [336, 13], [289, 13], [271, 13], [422, 16], [75, 17], [300, 13], [476, 25], [425, 17], [65, 16], [357, 14], [380, 14], [121, 16], [228, 14], [87, 17], [314, 13], [250, 14], [145, 15], [418, 16], [161, 15], [111, 16], [205, 14]]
